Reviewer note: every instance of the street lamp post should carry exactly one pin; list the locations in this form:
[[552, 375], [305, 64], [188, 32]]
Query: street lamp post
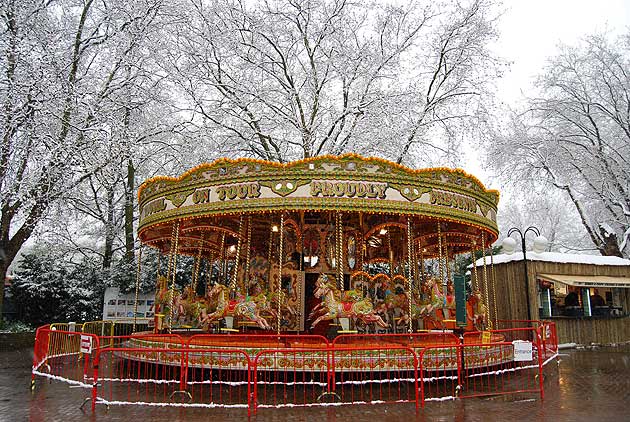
[[540, 243]]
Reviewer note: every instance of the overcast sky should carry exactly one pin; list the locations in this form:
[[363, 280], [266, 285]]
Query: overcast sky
[[530, 30]]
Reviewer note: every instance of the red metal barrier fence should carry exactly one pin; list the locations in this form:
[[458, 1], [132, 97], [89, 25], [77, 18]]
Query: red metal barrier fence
[[345, 375], [60, 355], [140, 376], [262, 371]]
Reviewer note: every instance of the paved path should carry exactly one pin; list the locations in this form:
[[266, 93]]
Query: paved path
[[588, 385]]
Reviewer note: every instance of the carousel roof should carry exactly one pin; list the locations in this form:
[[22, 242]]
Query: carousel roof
[[212, 194]]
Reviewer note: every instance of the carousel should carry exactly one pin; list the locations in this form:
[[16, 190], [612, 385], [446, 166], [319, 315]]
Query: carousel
[[324, 247]]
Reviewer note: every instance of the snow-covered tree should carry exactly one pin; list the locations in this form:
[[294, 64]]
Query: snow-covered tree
[[575, 137], [48, 290], [550, 212], [66, 84], [97, 94], [288, 79]]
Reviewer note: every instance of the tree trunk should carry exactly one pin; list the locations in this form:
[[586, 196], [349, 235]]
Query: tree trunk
[[129, 189], [109, 230], [609, 245], [4, 266]]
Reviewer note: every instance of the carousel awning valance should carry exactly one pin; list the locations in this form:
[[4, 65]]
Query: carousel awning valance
[[588, 280]]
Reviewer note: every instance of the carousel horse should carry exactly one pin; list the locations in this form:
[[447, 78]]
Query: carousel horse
[[419, 309], [391, 302], [165, 297], [398, 300], [437, 300], [332, 307], [368, 285], [477, 314], [270, 302], [189, 308], [241, 307]]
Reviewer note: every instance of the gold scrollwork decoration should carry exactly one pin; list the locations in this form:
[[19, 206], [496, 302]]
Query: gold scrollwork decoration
[[284, 187]]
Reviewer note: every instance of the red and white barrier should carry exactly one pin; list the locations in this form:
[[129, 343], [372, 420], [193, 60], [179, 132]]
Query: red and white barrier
[[268, 371]]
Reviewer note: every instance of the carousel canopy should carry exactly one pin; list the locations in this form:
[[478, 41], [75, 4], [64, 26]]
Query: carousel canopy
[[371, 194]]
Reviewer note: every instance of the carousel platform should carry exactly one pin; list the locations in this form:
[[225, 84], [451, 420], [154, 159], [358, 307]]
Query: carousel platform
[[438, 351]]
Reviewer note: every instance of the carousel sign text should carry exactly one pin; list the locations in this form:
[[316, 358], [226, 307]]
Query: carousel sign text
[[453, 201], [348, 189]]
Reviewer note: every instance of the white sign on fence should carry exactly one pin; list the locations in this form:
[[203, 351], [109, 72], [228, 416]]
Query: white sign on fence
[[522, 351], [86, 344]]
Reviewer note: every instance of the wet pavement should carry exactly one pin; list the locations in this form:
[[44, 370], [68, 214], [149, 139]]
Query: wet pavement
[[587, 385]]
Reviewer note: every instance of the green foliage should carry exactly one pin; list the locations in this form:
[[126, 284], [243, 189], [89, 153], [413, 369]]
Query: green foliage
[[463, 261], [16, 327], [123, 274], [46, 290]]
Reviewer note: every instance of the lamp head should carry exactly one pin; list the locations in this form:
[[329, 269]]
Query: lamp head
[[540, 244], [509, 245]]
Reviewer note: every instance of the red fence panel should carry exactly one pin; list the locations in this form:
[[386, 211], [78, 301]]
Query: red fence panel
[[375, 375], [490, 369], [218, 378], [438, 372], [138, 375], [58, 355], [174, 377], [215, 370], [350, 375], [487, 368], [549, 339], [40, 349]]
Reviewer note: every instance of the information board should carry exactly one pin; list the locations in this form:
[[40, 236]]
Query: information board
[[86, 344], [522, 351]]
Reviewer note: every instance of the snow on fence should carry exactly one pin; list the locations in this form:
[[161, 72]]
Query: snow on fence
[[335, 376], [263, 371], [63, 355], [161, 377]]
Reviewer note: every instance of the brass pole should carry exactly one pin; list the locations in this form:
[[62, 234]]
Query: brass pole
[[339, 251], [174, 273], [222, 257], [485, 279], [411, 272], [475, 280], [280, 258], [238, 254], [248, 254]]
